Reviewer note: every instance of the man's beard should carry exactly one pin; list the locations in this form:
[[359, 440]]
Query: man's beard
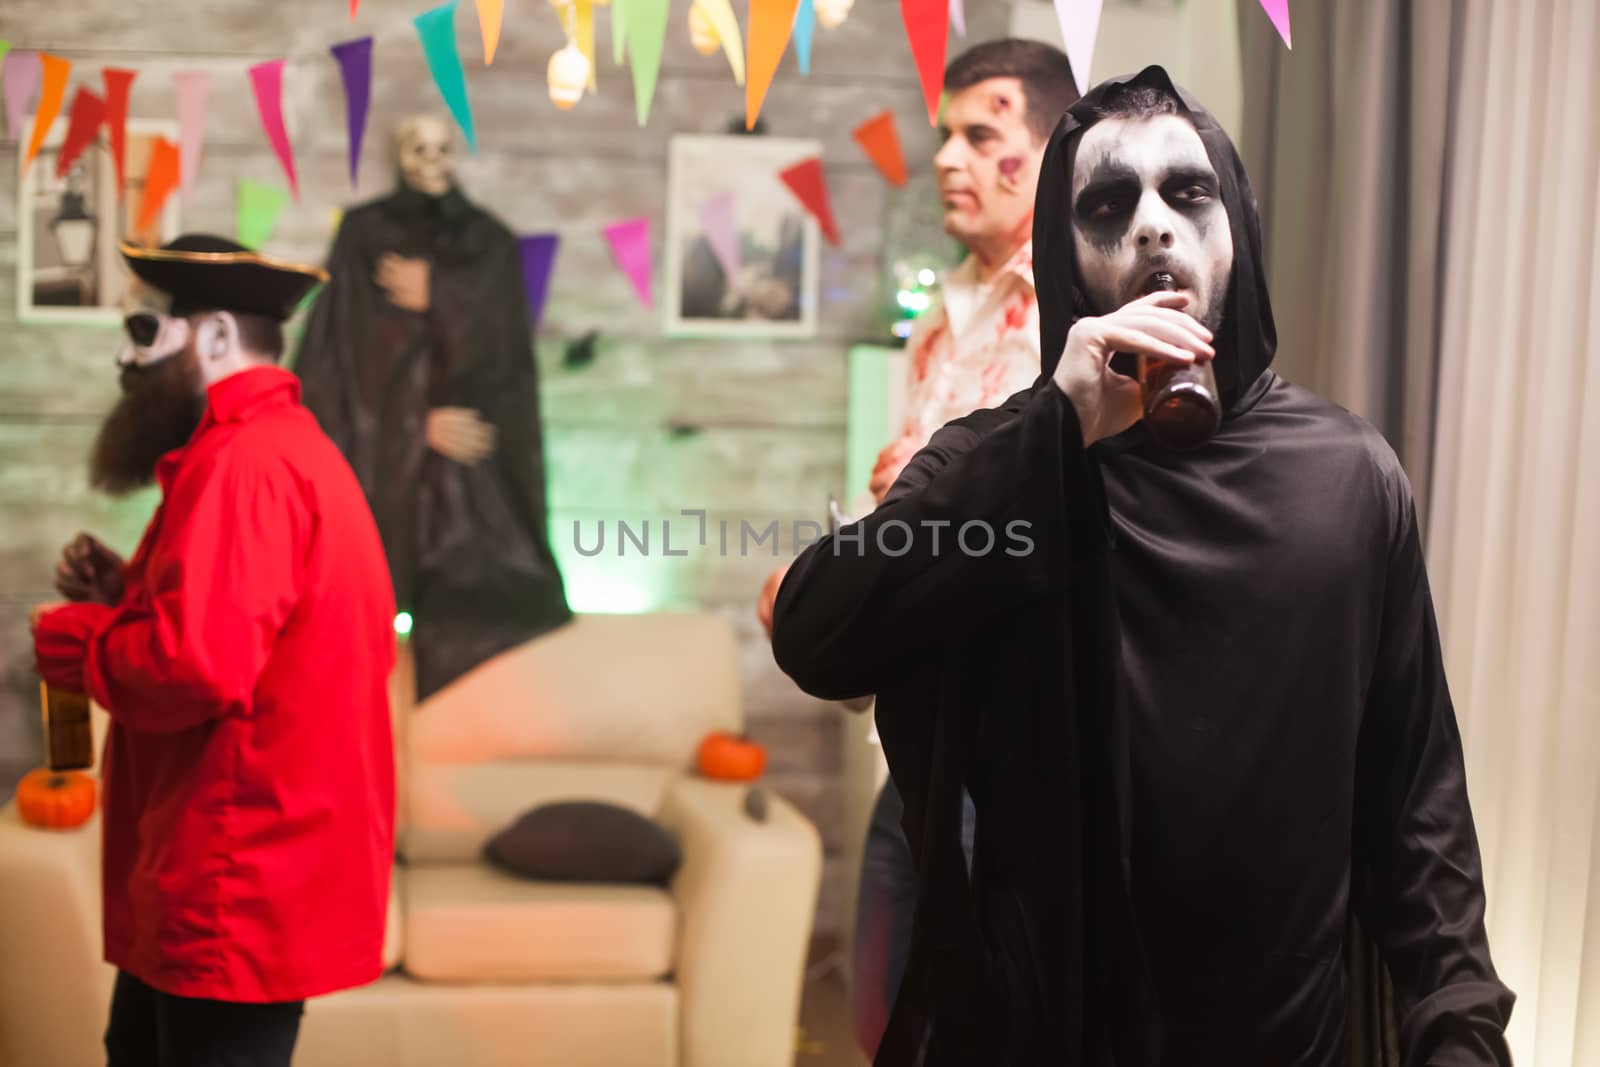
[[160, 408]]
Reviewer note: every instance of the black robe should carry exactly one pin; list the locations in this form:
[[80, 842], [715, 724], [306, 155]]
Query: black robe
[[467, 547], [1203, 717]]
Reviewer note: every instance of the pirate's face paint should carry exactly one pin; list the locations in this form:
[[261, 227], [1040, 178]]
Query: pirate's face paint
[[988, 167], [1145, 201]]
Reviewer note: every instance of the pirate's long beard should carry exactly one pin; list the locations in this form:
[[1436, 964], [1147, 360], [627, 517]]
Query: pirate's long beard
[[160, 408]]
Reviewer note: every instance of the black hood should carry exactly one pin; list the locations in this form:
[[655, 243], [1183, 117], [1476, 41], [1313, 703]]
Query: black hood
[[1247, 338]]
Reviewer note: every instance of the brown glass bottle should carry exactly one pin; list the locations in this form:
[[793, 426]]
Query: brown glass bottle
[[68, 732], [1180, 399]]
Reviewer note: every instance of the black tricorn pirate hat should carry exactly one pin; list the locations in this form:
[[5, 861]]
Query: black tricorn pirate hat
[[205, 273]]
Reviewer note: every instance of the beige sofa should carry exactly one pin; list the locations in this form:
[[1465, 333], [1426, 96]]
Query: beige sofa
[[488, 969]]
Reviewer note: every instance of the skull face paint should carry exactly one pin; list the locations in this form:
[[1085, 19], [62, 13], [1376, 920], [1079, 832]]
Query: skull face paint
[[426, 153], [1145, 200]]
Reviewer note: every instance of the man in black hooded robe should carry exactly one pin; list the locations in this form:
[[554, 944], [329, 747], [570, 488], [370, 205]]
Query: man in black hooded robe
[[418, 362], [1197, 697]]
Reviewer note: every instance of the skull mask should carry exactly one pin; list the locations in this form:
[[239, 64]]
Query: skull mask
[[426, 151]]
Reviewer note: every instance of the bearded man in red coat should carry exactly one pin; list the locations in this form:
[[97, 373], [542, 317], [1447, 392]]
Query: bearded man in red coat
[[243, 653]]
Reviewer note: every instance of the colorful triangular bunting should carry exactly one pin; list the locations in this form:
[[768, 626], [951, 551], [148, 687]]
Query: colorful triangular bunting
[[718, 221], [355, 69], [1080, 25], [538, 257], [647, 34], [266, 79], [720, 12], [630, 245], [119, 83], [160, 178], [52, 88], [806, 181], [192, 86], [927, 26], [771, 22], [20, 74], [88, 111], [259, 206], [437, 28], [805, 25], [490, 12], [1278, 12], [878, 139]]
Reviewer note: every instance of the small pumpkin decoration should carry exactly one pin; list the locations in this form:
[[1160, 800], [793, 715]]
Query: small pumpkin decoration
[[55, 800], [731, 758]]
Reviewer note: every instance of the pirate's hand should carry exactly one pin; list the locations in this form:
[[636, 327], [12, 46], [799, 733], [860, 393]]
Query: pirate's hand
[[405, 280], [459, 434], [891, 461], [1108, 402], [89, 571]]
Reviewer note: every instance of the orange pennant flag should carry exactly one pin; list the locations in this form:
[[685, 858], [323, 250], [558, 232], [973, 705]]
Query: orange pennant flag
[[879, 141], [159, 180], [771, 22], [53, 91], [490, 13]]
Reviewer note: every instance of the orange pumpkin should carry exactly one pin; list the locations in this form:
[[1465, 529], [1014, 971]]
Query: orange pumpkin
[[55, 800], [730, 758]]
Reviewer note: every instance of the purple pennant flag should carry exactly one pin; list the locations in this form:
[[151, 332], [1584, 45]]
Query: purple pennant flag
[[21, 77], [355, 65], [538, 256]]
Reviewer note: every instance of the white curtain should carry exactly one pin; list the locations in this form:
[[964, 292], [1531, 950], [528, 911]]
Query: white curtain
[[1514, 532]]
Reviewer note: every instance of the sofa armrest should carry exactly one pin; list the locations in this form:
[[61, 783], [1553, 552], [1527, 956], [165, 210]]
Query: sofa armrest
[[55, 986], [746, 896]]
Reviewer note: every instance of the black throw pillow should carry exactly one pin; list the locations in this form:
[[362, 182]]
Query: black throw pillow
[[586, 841]]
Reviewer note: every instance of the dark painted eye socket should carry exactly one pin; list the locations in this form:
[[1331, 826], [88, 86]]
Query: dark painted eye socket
[[142, 328]]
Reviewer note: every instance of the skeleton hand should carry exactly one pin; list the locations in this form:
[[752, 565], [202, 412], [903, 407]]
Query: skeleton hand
[[459, 434], [406, 281]]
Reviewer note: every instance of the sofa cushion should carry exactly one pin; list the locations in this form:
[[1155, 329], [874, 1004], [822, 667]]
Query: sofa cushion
[[586, 841], [625, 688], [473, 923], [394, 922], [453, 809]]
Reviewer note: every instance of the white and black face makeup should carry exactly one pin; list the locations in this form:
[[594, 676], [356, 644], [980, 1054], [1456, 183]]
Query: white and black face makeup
[[1147, 214], [425, 149]]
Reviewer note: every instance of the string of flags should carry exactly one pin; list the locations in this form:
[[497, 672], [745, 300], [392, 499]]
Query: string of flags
[[638, 33]]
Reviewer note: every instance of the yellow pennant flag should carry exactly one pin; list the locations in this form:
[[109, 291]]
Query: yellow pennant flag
[[720, 12], [585, 42]]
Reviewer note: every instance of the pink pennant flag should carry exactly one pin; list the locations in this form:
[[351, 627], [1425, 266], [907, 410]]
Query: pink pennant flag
[[192, 88], [1278, 12], [267, 80], [1080, 25], [21, 77], [958, 17], [718, 223], [630, 245]]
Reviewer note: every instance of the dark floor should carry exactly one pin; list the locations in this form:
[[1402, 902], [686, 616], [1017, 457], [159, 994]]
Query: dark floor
[[826, 1038]]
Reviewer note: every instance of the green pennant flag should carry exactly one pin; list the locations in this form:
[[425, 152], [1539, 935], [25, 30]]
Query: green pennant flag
[[259, 207], [647, 33]]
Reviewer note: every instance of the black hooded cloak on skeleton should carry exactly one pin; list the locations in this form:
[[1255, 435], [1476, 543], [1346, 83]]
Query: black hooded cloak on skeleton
[[1197, 698], [467, 546]]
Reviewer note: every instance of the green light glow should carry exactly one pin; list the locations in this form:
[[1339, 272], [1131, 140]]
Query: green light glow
[[402, 624]]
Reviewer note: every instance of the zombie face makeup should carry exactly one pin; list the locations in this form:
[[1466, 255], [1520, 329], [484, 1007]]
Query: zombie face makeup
[[988, 167], [1146, 203]]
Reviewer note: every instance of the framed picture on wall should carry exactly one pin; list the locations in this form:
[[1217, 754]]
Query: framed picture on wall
[[742, 253], [69, 225]]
